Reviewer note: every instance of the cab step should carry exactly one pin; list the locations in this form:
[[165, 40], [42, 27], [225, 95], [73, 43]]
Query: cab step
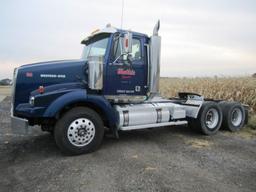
[[135, 127]]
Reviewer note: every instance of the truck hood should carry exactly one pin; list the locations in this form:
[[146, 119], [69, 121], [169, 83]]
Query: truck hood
[[51, 63], [31, 76]]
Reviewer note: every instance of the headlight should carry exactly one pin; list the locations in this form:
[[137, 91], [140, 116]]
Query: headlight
[[31, 100]]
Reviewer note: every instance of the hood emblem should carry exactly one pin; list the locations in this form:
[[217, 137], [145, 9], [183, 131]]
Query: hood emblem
[[29, 74]]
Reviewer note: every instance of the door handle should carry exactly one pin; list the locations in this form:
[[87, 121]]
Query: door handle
[[116, 64]]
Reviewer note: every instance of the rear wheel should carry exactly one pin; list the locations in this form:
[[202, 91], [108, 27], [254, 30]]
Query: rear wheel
[[234, 116], [209, 119], [79, 131]]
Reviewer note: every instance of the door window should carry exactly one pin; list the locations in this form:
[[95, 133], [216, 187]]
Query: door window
[[136, 49]]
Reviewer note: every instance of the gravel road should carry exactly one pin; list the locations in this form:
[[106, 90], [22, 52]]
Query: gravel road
[[2, 98], [163, 159]]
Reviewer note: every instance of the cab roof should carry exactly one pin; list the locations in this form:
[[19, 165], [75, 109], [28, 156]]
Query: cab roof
[[109, 29]]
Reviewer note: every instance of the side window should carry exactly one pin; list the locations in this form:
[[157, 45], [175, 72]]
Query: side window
[[117, 48], [136, 49]]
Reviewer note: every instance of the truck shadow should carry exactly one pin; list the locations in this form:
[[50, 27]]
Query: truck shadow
[[166, 134], [43, 146]]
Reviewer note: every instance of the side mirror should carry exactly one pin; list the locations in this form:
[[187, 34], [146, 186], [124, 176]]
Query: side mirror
[[127, 43]]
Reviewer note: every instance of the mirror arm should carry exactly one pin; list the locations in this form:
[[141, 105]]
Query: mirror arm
[[118, 58]]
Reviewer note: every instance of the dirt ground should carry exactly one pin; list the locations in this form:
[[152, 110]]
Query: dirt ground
[[163, 159]]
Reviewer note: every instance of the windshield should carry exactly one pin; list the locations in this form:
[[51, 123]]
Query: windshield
[[96, 46]]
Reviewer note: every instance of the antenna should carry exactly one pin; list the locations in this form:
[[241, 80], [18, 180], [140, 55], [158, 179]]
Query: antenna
[[122, 14]]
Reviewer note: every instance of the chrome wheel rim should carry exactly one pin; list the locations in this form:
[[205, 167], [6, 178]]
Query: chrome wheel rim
[[81, 132], [212, 118], [236, 117]]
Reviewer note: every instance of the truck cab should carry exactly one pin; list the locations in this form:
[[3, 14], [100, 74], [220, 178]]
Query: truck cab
[[121, 77], [114, 85]]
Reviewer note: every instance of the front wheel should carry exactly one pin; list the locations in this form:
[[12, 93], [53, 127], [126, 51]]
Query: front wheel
[[209, 119], [78, 131]]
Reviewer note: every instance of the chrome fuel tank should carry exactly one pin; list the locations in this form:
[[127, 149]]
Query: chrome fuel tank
[[148, 113]]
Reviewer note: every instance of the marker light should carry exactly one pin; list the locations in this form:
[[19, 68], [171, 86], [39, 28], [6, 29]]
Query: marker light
[[126, 43], [108, 25], [95, 31], [41, 89]]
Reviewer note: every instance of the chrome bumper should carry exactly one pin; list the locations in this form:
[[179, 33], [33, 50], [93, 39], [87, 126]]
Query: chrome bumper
[[19, 125]]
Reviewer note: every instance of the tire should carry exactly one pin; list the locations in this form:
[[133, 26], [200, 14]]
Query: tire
[[234, 116], [78, 131], [209, 119], [246, 117]]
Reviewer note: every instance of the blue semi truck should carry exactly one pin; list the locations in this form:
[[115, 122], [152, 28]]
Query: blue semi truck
[[114, 87]]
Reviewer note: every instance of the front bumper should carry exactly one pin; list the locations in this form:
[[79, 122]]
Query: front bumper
[[19, 125], [29, 111], [23, 112]]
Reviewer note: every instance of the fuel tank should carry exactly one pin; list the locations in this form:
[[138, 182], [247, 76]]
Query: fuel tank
[[149, 113]]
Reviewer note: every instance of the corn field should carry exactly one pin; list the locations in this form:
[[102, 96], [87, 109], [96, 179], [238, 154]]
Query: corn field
[[241, 89]]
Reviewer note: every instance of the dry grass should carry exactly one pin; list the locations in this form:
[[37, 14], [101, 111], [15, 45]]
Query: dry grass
[[199, 143], [252, 122], [248, 132], [241, 89], [5, 90]]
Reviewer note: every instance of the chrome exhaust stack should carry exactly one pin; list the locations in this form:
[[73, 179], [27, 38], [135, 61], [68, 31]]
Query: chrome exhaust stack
[[154, 62]]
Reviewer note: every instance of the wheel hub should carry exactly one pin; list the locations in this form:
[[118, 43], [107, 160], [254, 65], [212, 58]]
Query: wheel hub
[[81, 132], [212, 118], [236, 117]]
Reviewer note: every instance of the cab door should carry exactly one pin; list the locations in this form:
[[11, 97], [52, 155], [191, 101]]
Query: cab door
[[124, 78]]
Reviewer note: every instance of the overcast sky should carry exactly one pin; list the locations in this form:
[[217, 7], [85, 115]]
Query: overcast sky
[[199, 37]]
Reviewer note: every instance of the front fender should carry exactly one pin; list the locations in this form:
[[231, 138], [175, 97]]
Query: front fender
[[105, 106], [81, 96]]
